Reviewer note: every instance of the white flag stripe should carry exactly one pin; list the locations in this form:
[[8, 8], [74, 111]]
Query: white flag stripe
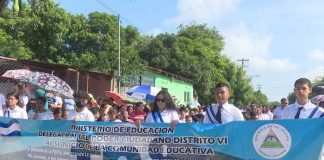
[[13, 127]]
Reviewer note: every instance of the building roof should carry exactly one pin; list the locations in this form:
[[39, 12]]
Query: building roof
[[169, 74]]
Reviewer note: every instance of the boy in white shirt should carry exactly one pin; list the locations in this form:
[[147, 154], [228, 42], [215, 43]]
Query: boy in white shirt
[[81, 113], [302, 108], [222, 112]]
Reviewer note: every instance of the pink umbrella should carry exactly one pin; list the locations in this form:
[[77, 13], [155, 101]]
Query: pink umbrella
[[119, 99], [16, 73]]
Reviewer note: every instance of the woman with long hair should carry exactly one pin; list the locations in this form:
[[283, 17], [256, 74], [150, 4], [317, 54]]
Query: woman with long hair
[[163, 110]]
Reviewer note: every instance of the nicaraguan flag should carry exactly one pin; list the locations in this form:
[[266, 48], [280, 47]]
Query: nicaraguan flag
[[10, 129]]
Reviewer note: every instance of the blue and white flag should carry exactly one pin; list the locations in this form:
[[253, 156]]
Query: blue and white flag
[[10, 129]]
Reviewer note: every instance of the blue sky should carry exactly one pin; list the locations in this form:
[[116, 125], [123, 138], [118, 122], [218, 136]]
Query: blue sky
[[283, 40]]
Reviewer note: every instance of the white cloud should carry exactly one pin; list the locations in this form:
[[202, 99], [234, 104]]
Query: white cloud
[[241, 43], [202, 11], [317, 54], [155, 31]]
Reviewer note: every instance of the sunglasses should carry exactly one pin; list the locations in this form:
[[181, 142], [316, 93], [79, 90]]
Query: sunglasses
[[160, 100]]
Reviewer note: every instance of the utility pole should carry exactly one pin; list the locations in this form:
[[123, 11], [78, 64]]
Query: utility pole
[[119, 77], [259, 87], [243, 61]]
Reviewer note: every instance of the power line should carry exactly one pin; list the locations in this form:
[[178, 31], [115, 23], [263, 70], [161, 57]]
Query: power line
[[243, 61], [120, 16], [259, 86]]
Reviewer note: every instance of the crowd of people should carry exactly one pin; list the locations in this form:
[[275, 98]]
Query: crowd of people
[[84, 107]]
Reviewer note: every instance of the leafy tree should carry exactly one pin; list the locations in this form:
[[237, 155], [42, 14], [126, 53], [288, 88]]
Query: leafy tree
[[13, 48], [43, 31]]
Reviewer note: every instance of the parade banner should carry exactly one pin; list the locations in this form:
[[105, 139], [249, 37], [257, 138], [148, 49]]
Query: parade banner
[[65, 140]]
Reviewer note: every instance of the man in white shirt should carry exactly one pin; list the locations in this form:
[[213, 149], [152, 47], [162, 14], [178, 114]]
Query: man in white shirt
[[277, 113], [81, 113], [222, 112], [302, 108]]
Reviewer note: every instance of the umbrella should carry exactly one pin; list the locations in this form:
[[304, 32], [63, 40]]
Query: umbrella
[[48, 82], [15, 73], [317, 99], [146, 92], [116, 96]]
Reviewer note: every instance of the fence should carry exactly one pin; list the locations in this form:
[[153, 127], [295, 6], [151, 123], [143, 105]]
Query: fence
[[79, 80]]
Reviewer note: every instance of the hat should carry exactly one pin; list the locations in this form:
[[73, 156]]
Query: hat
[[40, 93], [69, 104]]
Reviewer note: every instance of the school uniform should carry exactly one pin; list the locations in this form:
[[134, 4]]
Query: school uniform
[[48, 115], [270, 115], [167, 116], [31, 114], [17, 112], [116, 120], [278, 112], [23, 99], [265, 116], [84, 115], [297, 111], [228, 113]]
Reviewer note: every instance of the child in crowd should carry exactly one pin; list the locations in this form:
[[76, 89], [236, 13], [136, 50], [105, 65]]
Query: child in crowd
[[139, 113], [13, 110], [41, 110], [96, 113], [113, 115], [188, 119], [57, 112]]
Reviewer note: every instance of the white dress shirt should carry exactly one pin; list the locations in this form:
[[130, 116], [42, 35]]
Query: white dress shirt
[[17, 112], [31, 114], [48, 115], [84, 115], [278, 112], [23, 99], [229, 113], [167, 115], [290, 111], [265, 116]]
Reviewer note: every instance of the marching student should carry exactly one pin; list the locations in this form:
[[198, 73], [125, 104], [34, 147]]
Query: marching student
[[13, 110], [222, 112], [302, 108], [42, 111], [81, 113], [163, 110], [277, 113]]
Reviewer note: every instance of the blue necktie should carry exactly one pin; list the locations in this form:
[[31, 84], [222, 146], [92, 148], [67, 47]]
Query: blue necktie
[[218, 115], [298, 112]]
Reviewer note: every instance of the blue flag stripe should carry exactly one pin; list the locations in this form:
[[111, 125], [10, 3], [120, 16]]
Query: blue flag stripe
[[6, 125]]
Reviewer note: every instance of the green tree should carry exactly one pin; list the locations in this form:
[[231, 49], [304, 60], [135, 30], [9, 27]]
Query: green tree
[[13, 48], [259, 98]]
